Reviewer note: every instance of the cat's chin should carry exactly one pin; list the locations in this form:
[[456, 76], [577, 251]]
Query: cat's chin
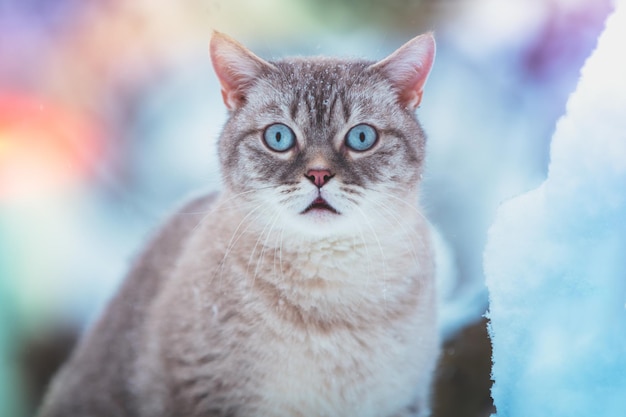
[[318, 219], [320, 215]]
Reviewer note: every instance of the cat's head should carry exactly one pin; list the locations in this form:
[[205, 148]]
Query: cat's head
[[320, 145]]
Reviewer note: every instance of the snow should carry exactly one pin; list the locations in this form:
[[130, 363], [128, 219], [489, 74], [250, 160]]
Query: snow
[[555, 261]]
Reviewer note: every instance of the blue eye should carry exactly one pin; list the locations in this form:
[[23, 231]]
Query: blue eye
[[279, 137], [361, 137]]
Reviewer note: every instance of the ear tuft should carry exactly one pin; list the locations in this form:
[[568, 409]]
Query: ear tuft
[[236, 68], [408, 68]]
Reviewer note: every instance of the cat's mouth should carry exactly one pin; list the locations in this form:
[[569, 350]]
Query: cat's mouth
[[320, 204]]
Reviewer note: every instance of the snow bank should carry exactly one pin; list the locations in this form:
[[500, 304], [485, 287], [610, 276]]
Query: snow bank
[[555, 261]]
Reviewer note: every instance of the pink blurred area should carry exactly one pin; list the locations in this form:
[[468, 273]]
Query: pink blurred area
[[69, 73], [44, 146]]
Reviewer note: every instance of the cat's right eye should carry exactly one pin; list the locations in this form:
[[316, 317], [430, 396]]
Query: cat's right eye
[[279, 137]]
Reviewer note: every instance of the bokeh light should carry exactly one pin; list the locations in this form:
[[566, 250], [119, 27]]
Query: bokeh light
[[43, 147]]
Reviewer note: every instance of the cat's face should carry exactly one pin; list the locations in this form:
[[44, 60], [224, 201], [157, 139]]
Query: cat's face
[[319, 145]]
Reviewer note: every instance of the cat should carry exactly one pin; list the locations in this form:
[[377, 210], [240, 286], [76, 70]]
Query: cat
[[306, 287]]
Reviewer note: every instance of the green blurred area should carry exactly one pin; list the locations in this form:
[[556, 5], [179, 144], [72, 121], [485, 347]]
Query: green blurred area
[[11, 388], [392, 15]]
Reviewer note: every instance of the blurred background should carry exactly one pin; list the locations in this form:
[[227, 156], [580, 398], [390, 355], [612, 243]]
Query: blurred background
[[109, 114]]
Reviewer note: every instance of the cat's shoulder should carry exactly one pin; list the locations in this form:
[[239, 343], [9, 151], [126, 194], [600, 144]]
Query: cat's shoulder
[[164, 247], [191, 211], [184, 219]]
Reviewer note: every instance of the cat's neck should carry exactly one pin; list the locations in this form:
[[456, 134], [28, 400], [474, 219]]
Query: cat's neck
[[380, 248], [315, 279]]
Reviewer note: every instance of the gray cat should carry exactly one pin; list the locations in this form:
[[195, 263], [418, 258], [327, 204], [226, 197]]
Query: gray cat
[[306, 288]]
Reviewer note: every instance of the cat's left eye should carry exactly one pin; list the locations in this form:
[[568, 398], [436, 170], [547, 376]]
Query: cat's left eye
[[279, 137], [361, 137]]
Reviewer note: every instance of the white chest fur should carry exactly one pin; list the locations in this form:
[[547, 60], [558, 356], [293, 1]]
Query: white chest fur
[[366, 372], [362, 340], [327, 327]]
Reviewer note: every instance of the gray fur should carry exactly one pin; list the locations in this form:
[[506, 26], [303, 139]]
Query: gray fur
[[245, 304]]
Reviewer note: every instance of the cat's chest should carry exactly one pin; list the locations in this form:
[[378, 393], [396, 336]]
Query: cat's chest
[[340, 259], [342, 373], [327, 328]]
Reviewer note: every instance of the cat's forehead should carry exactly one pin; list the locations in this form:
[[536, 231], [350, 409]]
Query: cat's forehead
[[315, 71], [324, 87], [319, 92]]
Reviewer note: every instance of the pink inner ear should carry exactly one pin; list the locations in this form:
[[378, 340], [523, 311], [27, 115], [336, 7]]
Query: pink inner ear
[[408, 68], [411, 92], [236, 68], [224, 57], [230, 99]]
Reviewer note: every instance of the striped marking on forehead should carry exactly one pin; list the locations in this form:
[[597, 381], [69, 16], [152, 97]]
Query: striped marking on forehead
[[319, 85]]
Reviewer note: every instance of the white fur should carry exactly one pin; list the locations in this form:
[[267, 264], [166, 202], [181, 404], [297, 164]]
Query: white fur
[[374, 367]]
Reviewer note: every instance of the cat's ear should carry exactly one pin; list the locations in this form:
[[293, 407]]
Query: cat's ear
[[236, 68], [408, 68]]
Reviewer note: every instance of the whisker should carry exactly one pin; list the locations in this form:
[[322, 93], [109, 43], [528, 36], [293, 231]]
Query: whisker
[[367, 252], [259, 237], [382, 252], [213, 210], [397, 222], [236, 236], [280, 257], [265, 245], [409, 205], [231, 197], [351, 190], [277, 246]]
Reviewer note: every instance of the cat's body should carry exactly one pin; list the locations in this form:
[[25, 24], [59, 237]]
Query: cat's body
[[306, 288]]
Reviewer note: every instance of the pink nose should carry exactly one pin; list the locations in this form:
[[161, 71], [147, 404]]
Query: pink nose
[[319, 177]]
